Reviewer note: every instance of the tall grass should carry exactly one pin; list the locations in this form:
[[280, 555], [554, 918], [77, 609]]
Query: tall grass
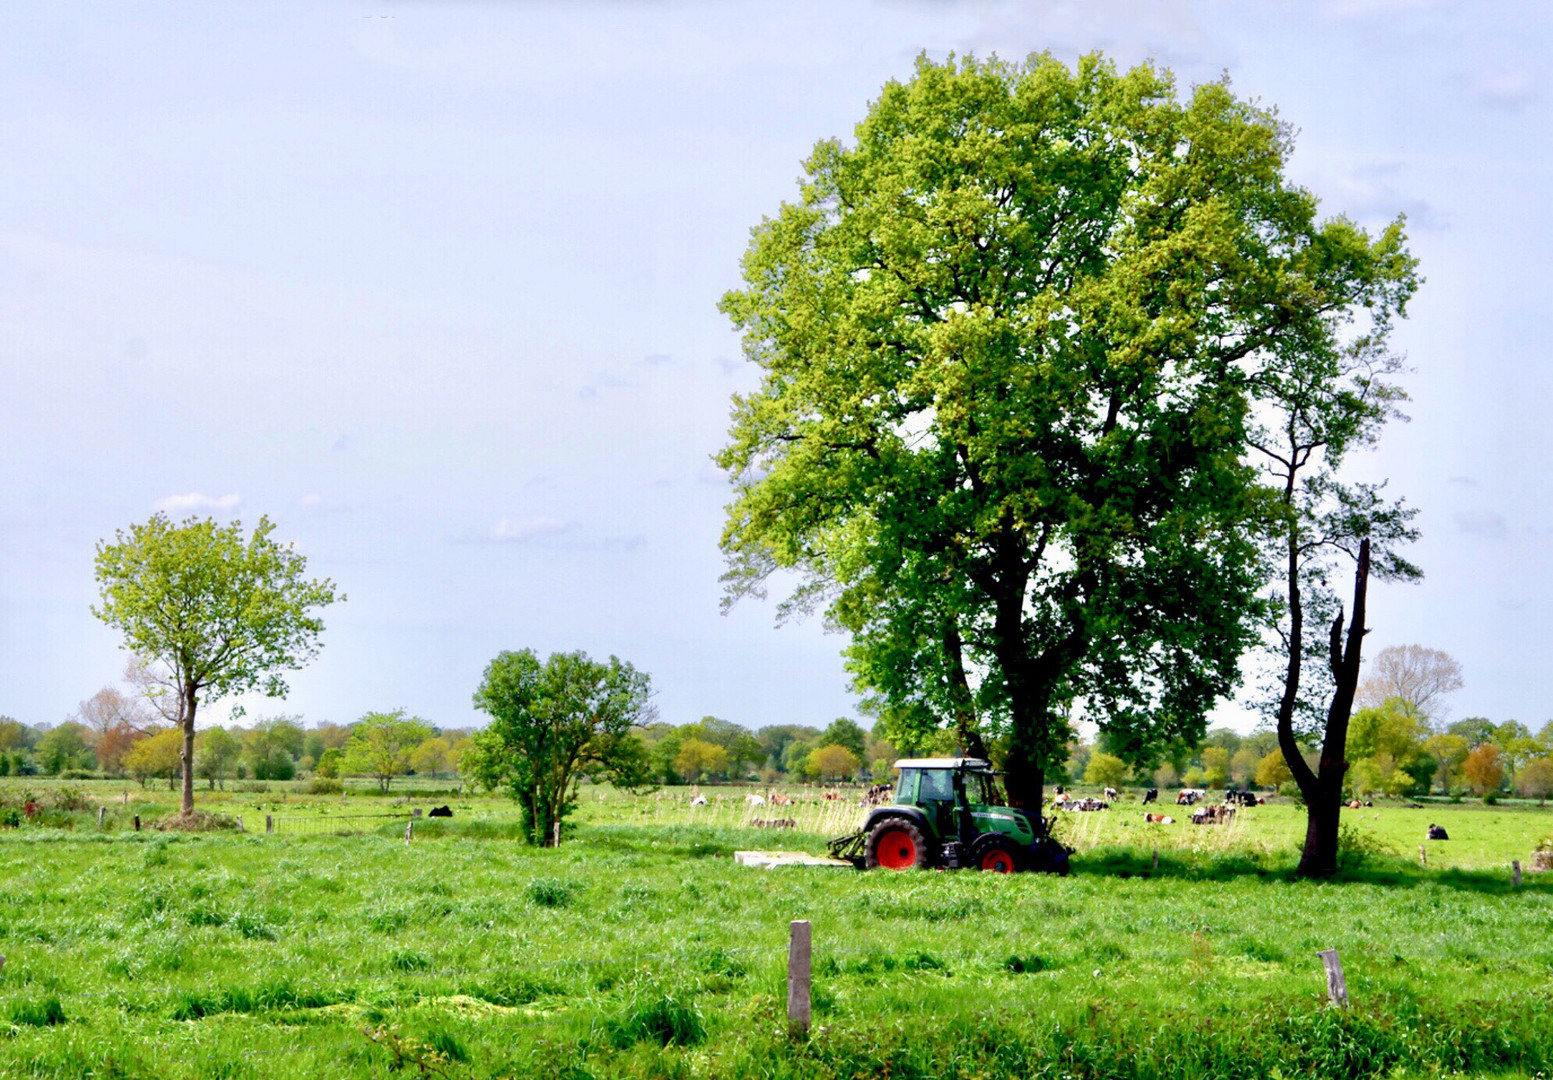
[[639, 949]]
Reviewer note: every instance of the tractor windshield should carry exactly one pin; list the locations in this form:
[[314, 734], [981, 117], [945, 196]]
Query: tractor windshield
[[981, 789]]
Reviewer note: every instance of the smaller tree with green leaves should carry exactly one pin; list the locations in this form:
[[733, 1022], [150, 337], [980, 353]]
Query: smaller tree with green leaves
[[700, 760], [1215, 766], [1273, 771], [155, 757], [381, 745], [63, 748], [846, 734], [1105, 770], [216, 751], [215, 610], [833, 762], [552, 723]]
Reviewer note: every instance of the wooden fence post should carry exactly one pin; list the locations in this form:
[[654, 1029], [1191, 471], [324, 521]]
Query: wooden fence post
[[269, 824], [408, 828], [1337, 986], [1423, 856], [137, 822], [799, 952], [1156, 860], [239, 822], [1515, 873], [102, 813], [555, 834]]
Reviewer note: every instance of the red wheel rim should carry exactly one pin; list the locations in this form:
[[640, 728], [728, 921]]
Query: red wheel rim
[[998, 861], [897, 850]]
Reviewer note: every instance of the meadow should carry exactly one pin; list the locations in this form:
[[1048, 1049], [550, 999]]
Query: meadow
[[640, 949]]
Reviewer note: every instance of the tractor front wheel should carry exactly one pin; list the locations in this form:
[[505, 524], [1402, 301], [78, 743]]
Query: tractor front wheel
[[896, 844]]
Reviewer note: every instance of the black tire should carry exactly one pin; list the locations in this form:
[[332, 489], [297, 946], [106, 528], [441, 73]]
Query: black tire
[[896, 844], [997, 854]]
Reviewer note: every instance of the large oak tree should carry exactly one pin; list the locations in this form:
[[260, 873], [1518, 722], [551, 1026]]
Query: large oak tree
[[1010, 339]]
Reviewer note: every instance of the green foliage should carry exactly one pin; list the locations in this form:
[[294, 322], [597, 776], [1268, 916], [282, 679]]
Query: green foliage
[[1010, 340], [44, 1012], [550, 892], [221, 612], [666, 1021], [552, 723], [1105, 770], [847, 735], [381, 744], [63, 748]]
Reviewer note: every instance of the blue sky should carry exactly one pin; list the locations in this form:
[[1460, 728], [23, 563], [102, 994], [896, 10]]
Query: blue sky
[[434, 286]]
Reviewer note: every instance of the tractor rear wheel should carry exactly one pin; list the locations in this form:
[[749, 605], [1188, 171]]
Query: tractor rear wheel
[[997, 854], [896, 844]]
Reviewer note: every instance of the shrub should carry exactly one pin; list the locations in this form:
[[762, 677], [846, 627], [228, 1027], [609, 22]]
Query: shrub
[[666, 1021], [195, 821], [550, 892], [45, 1013], [323, 785]]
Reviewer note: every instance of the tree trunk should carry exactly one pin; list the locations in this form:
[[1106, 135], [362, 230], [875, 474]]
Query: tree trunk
[[188, 705], [1324, 797]]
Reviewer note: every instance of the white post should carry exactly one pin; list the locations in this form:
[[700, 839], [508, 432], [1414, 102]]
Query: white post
[[1423, 856], [555, 831], [409, 826], [239, 822], [1337, 986], [798, 957]]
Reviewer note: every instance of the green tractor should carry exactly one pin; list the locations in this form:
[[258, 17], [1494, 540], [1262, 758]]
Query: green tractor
[[947, 813]]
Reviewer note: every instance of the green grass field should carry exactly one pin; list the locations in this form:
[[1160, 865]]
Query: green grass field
[[640, 949]]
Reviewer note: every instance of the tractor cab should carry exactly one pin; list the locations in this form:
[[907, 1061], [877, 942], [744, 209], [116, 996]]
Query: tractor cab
[[947, 813]]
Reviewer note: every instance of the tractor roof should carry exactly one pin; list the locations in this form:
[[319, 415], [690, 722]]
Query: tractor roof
[[942, 763]]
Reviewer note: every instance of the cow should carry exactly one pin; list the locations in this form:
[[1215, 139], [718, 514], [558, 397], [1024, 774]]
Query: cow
[[1151, 795], [754, 800], [1213, 815], [1158, 819], [699, 800], [440, 811], [773, 823], [1111, 795], [1240, 798], [1188, 796], [1437, 833]]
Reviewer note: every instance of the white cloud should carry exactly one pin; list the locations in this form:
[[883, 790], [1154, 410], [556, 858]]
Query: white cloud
[[196, 501], [518, 532], [311, 499], [1481, 523], [1510, 89]]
